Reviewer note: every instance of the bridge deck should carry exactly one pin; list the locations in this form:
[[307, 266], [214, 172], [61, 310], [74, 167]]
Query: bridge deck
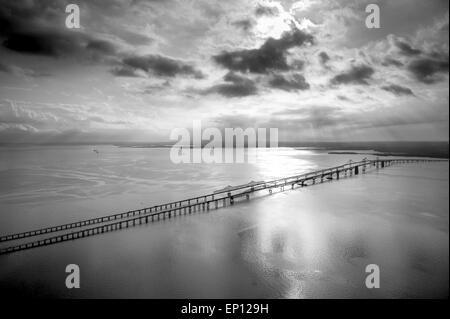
[[217, 199]]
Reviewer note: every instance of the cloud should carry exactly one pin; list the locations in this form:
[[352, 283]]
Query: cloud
[[296, 82], [178, 41], [21, 72], [133, 38], [236, 86], [37, 29], [406, 48], [324, 57], [157, 65], [397, 89], [391, 61], [5, 68], [125, 72], [266, 11], [244, 24], [356, 75], [292, 120], [428, 70], [101, 46], [45, 43], [270, 56]]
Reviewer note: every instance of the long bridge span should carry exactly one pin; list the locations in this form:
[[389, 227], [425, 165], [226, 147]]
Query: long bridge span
[[215, 200]]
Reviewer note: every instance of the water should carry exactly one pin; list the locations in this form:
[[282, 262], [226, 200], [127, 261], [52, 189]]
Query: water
[[313, 242]]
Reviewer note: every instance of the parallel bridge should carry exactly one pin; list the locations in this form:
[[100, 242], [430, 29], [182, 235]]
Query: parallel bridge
[[215, 200]]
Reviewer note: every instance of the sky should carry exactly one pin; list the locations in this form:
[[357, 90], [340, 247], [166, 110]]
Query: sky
[[136, 69]]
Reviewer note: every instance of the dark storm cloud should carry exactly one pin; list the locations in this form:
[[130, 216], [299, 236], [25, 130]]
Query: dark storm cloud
[[38, 29], [428, 70], [234, 90], [44, 43], [397, 89], [158, 65], [266, 11], [60, 44], [236, 86], [324, 57], [22, 32], [270, 56], [407, 49], [296, 82], [356, 75], [234, 77]]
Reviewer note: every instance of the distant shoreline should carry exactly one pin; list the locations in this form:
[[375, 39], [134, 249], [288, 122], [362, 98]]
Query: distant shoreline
[[388, 154], [409, 149]]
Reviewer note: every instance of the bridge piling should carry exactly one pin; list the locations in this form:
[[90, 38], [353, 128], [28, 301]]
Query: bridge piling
[[180, 206]]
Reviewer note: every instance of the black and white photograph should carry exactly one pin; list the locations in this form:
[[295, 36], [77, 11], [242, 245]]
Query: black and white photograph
[[241, 150]]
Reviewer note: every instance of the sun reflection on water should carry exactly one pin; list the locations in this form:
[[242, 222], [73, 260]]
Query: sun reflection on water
[[282, 162]]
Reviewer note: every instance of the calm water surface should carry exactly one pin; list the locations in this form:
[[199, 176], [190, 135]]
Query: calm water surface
[[312, 242]]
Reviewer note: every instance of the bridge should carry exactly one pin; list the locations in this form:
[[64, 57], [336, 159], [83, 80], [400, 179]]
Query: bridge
[[218, 199]]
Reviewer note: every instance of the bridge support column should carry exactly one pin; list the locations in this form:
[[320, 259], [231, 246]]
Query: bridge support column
[[231, 200], [356, 170], [337, 174], [247, 196], [216, 203]]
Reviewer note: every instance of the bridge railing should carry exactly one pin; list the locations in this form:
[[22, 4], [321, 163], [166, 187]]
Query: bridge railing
[[199, 199]]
